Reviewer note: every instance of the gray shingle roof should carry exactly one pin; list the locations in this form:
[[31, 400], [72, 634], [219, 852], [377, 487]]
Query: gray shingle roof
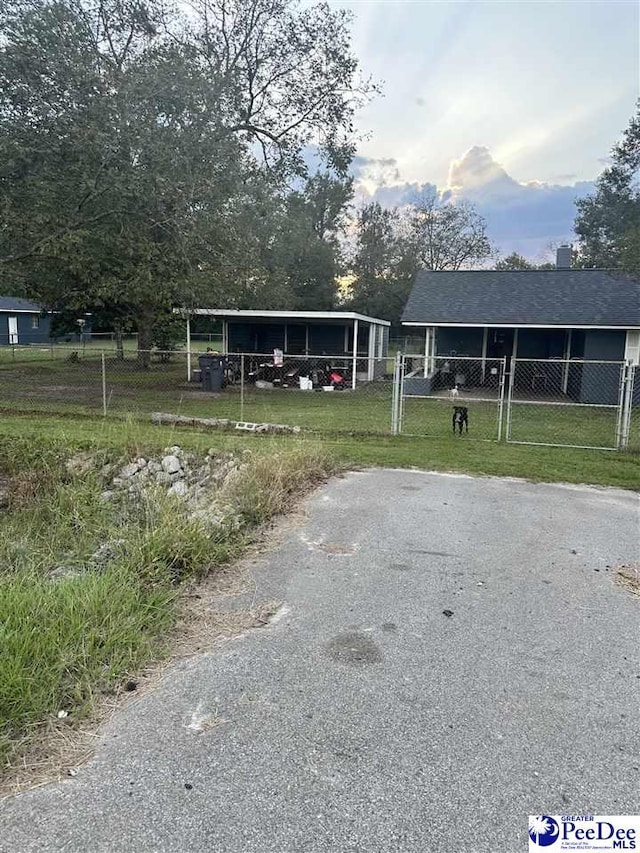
[[12, 303], [525, 297]]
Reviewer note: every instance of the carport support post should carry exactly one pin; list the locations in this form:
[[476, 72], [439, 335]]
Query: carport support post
[[355, 354], [188, 348]]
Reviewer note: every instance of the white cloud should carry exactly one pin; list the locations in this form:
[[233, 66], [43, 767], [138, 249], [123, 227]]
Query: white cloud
[[521, 216]]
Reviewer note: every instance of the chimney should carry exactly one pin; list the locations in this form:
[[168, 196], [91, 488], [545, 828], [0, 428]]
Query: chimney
[[563, 258]]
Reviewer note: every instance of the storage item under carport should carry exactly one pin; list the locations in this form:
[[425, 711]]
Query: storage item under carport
[[211, 372]]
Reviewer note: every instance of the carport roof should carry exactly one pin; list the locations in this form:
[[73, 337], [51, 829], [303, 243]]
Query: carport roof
[[566, 298], [230, 313]]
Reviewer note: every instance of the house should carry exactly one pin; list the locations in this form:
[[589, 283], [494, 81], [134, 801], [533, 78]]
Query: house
[[22, 322], [361, 342], [562, 317]]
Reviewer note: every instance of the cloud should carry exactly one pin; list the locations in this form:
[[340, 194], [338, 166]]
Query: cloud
[[515, 211], [523, 217], [396, 195], [377, 171]]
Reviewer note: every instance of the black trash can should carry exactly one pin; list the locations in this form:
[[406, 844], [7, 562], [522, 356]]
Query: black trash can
[[211, 372]]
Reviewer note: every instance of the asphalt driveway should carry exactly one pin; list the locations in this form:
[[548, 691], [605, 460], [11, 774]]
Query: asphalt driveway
[[452, 655]]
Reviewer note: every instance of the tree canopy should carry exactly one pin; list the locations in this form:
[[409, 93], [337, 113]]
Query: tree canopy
[[391, 245], [608, 222], [150, 158]]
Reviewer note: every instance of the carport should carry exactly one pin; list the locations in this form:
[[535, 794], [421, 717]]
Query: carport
[[345, 334]]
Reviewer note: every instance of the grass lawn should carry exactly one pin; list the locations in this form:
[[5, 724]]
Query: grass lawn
[[442, 453], [71, 629], [43, 384]]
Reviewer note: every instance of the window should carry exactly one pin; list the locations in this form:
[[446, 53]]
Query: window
[[35, 321]]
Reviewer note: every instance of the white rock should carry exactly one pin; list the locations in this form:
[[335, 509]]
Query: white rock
[[153, 466], [129, 470], [171, 464], [162, 477], [141, 463], [179, 488], [106, 496], [63, 572]]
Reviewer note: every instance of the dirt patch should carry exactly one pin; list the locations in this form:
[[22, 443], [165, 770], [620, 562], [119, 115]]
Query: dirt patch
[[628, 576]]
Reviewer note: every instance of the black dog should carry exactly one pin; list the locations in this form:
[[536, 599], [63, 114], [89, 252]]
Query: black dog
[[460, 417]]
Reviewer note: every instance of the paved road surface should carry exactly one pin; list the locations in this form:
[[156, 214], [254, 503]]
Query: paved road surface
[[364, 718]]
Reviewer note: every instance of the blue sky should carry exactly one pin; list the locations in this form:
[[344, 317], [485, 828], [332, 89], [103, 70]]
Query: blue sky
[[527, 97]]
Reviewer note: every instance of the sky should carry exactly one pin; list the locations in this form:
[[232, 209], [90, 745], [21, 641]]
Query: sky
[[513, 105]]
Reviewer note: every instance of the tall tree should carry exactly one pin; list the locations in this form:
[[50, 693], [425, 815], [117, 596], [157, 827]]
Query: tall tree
[[608, 222], [128, 136], [383, 265], [447, 235]]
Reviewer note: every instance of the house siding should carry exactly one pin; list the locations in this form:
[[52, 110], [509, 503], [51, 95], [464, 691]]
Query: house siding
[[599, 383], [26, 333]]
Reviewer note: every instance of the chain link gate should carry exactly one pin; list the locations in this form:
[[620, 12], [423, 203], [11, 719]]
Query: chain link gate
[[574, 403], [429, 390], [550, 402]]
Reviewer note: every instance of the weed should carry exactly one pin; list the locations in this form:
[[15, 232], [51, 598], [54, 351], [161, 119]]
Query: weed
[[71, 627]]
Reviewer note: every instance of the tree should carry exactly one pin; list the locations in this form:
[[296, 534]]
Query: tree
[[383, 265], [514, 261], [447, 235], [129, 136], [607, 222], [308, 249]]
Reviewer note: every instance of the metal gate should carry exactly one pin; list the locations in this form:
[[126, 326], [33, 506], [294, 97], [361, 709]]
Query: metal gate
[[428, 390], [569, 403], [552, 402]]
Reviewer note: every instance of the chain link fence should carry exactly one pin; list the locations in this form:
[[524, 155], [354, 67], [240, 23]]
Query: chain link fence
[[328, 393], [552, 402]]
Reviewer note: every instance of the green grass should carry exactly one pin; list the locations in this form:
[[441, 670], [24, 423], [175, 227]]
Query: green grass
[[66, 640], [60, 386], [442, 453]]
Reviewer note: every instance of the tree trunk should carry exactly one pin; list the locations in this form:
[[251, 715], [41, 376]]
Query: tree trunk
[[119, 341], [145, 322]]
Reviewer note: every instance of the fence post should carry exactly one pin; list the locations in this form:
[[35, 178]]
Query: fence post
[[188, 348], [503, 374], [403, 370], [395, 395], [626, 403], [104, 385], [242, 387], [512, 375], [621, 401]]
